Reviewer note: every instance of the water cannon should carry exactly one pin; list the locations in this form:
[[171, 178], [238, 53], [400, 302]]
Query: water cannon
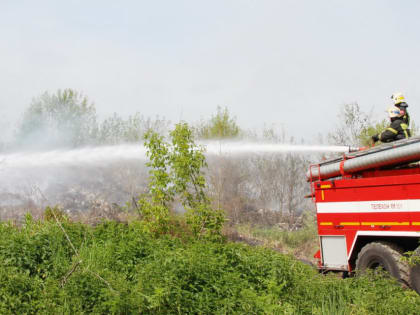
[[366, 158], [356, 149]]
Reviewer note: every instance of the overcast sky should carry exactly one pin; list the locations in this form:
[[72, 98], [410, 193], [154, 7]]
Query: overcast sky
[[291, 63]]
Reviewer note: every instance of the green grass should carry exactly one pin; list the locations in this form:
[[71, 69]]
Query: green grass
[[302, 243], [117, 268], [292, 239]]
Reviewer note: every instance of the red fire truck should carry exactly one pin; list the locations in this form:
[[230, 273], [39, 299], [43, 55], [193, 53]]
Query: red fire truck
[[368, 210]]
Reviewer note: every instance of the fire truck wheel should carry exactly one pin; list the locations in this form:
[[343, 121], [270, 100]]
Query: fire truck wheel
[[415, 274], [386, 256]]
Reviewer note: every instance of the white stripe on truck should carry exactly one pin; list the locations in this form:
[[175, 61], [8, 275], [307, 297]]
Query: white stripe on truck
[[408, 205]]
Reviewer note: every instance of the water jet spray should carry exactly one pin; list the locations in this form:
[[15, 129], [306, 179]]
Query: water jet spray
[[107, 154]]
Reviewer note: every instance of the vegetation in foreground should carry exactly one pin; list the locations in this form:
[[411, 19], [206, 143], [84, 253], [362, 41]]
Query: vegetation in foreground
[[57, 266], [159, 263]]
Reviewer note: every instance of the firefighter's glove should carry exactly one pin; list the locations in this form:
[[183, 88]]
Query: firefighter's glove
[[375, 138]]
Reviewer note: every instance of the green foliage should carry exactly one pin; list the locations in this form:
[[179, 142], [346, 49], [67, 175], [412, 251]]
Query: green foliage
[[205, 221], [65, 118], [222, 125], [186, 161], [161, 190], [54, 214], [176, 172], [118, 268], [365, 136], [412, 257], [154, 206]]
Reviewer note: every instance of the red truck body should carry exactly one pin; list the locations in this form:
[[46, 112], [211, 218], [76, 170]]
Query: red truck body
[[369, 206]]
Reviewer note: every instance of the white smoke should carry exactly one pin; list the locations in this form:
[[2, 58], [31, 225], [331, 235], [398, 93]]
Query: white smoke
[[77, 178]]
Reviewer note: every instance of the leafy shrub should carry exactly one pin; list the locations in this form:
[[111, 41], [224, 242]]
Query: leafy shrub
[[19, 292], [176, 172]]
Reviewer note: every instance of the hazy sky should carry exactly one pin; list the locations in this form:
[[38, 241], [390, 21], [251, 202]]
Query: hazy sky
[[283, 62]]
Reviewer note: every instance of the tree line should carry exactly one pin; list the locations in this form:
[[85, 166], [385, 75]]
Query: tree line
[[259, 188], [67, 118]]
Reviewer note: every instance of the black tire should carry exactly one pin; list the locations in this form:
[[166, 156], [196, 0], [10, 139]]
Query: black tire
[[415, 274], [386, 256]]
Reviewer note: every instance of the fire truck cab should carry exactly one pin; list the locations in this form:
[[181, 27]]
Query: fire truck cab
[[368, 210]]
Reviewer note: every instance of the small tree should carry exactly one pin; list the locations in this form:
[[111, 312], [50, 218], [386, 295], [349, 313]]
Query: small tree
[[176, 171], [187, 160], [220, 126], [155, 206]]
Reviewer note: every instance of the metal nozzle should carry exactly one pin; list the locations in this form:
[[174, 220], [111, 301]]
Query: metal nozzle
[[354, 149]]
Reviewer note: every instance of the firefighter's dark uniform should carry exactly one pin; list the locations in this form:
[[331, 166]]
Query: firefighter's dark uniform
[[406, 117], [397, 130]]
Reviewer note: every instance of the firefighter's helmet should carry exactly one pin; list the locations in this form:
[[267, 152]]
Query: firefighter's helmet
[[394, 112], [397, 98]]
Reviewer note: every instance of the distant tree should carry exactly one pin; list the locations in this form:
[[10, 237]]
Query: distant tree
[[221, 125], [351, 121], [111, 130], [65, 118], [115, 129], [355, 127]]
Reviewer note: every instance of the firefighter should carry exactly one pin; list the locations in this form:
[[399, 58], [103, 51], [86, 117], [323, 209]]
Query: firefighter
[[399, 101], [397, 130]]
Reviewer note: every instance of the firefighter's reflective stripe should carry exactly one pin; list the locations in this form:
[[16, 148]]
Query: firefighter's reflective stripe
[[404, 128], [383, 206], [392, 130]]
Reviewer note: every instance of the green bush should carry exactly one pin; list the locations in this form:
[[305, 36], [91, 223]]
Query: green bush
[[176, 173], [119, 268]]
